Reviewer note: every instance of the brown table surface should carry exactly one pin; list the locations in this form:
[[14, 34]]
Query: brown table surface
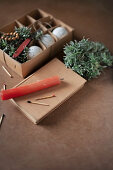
[[79, 134]]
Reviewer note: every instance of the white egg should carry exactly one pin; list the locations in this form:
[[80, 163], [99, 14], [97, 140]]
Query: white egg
[[47, 40], [34, 51], [60, 32]]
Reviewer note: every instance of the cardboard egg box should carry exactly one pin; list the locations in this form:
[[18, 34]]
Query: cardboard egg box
[[36, 19]]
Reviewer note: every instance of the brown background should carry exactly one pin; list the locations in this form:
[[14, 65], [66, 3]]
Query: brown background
[[79, 134]]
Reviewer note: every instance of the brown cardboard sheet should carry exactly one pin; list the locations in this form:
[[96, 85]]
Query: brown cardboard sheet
[[71, 84]]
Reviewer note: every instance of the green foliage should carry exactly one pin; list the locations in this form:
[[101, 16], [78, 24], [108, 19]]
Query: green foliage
[[23, 56], [37, 35], [10, 47], [87, 58], [24, 32], [3, 44]]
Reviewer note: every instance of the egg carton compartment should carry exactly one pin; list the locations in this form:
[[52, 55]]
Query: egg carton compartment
[[9, 28], [35, 48], [32, 20], [38, 26], [58, 32], [47, 39], [26, 21], [37, 14], [37, 43], [62, 24], [44, 19], [49, 23]]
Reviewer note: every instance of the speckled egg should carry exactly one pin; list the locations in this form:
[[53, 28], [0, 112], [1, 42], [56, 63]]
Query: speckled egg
[[60, 32], [34, 51], [47, 40]]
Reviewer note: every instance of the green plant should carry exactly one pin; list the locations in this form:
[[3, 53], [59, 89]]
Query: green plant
[[87, 58], [24, 32], [37, 34]]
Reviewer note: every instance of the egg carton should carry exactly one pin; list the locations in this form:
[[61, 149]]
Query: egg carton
[[37, 19]]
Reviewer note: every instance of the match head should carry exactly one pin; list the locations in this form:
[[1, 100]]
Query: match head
[[28, 101], [53, 95]]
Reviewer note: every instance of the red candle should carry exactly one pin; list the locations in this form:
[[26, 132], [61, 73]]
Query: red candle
[[30, 88]]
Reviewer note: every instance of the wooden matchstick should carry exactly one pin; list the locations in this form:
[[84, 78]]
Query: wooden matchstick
[[4, 86], [1, 119], [46, 97], [7, 72], [44, 104]]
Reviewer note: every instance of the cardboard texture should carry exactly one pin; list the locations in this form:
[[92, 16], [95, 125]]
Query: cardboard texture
[[36, 19], [71, 84]]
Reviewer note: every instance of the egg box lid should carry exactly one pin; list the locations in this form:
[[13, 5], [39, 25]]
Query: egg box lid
[[71, 84]]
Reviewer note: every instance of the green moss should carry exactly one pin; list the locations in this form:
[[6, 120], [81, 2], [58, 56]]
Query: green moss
[[87, 58]]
